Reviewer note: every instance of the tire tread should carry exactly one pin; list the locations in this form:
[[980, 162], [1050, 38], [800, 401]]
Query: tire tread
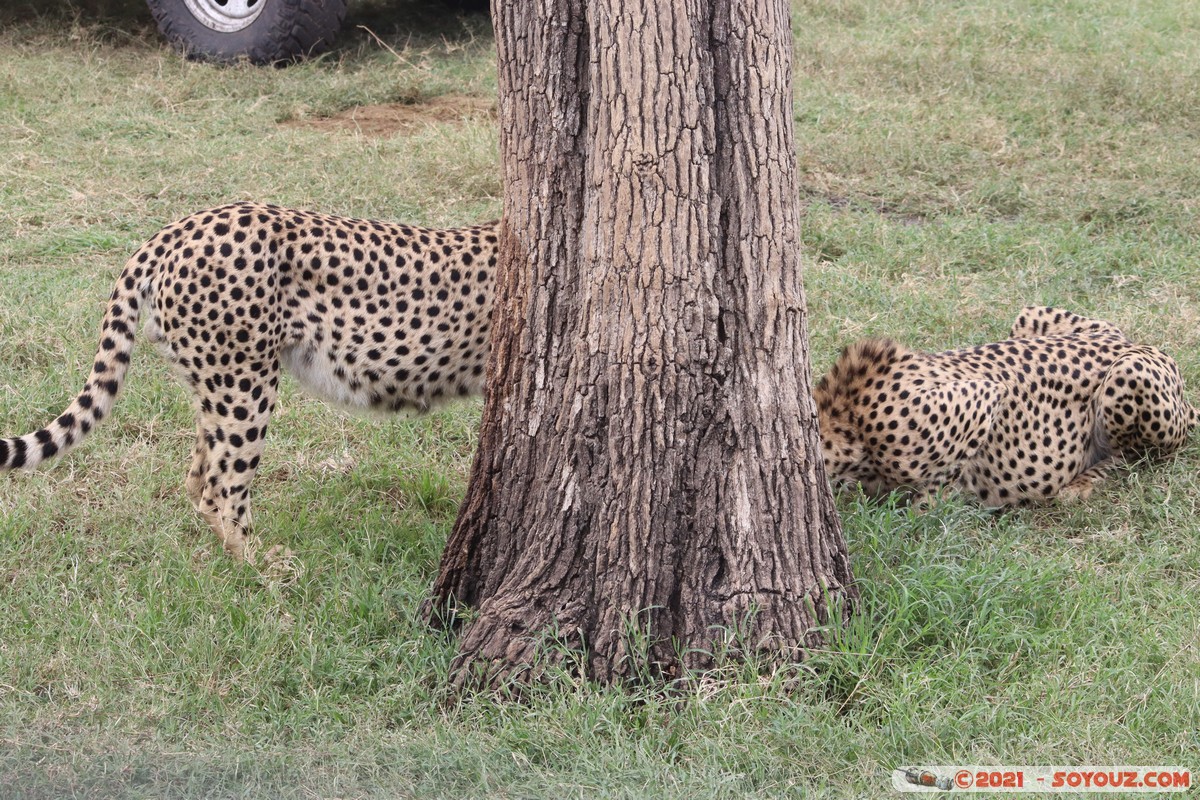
[[287, 30]]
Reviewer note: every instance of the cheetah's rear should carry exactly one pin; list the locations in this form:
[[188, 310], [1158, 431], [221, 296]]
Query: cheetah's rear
[[1044, 414], [369, 315]]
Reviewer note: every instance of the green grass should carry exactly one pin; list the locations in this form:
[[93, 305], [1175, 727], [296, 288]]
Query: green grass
[[958, 161]]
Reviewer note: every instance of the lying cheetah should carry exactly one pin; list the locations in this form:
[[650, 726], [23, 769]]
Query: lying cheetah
[[368, 315], [1044, 414]]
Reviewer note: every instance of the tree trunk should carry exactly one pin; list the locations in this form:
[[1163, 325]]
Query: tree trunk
[[648, 492]]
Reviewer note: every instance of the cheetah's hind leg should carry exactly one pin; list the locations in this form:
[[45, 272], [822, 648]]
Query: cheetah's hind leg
[[1141, 405], [1140, 411], [229, 444]]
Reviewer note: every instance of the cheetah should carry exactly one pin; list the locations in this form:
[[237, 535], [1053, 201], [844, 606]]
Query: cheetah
[[1043, 415], [368, 315]]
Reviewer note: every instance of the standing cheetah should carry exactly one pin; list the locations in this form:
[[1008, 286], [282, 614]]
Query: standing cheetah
[[368, 315], [1044, 414]]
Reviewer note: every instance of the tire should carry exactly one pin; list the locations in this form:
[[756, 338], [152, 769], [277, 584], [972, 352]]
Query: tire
[[264, 31]]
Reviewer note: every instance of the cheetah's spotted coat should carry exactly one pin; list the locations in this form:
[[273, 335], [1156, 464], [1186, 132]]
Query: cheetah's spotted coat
[[1041, 415], [369, 315]]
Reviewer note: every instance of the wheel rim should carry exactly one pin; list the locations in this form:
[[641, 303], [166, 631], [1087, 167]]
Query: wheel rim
[[226, 16]]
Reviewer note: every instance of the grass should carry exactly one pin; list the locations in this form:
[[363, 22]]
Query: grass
[[958, 161]]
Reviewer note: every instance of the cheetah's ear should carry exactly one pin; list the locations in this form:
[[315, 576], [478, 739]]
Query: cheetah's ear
[[1044, 321]]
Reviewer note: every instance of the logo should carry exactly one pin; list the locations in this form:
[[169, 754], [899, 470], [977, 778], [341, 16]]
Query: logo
[[1011, 780]]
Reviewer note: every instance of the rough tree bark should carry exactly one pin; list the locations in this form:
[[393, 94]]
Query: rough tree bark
[[648, 490]]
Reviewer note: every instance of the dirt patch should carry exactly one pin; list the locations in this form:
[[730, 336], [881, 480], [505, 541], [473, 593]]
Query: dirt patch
[[391, 119]]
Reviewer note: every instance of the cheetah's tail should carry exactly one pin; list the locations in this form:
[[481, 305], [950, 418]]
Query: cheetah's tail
[[104, 382]]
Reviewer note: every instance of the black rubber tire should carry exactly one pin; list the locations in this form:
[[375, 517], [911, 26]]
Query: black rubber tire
[[285, 31]]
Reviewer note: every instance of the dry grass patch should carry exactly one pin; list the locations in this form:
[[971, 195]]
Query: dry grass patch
[[393, 119]]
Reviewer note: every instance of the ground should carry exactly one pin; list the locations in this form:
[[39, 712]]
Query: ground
[[958, 163], [391, 119]]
